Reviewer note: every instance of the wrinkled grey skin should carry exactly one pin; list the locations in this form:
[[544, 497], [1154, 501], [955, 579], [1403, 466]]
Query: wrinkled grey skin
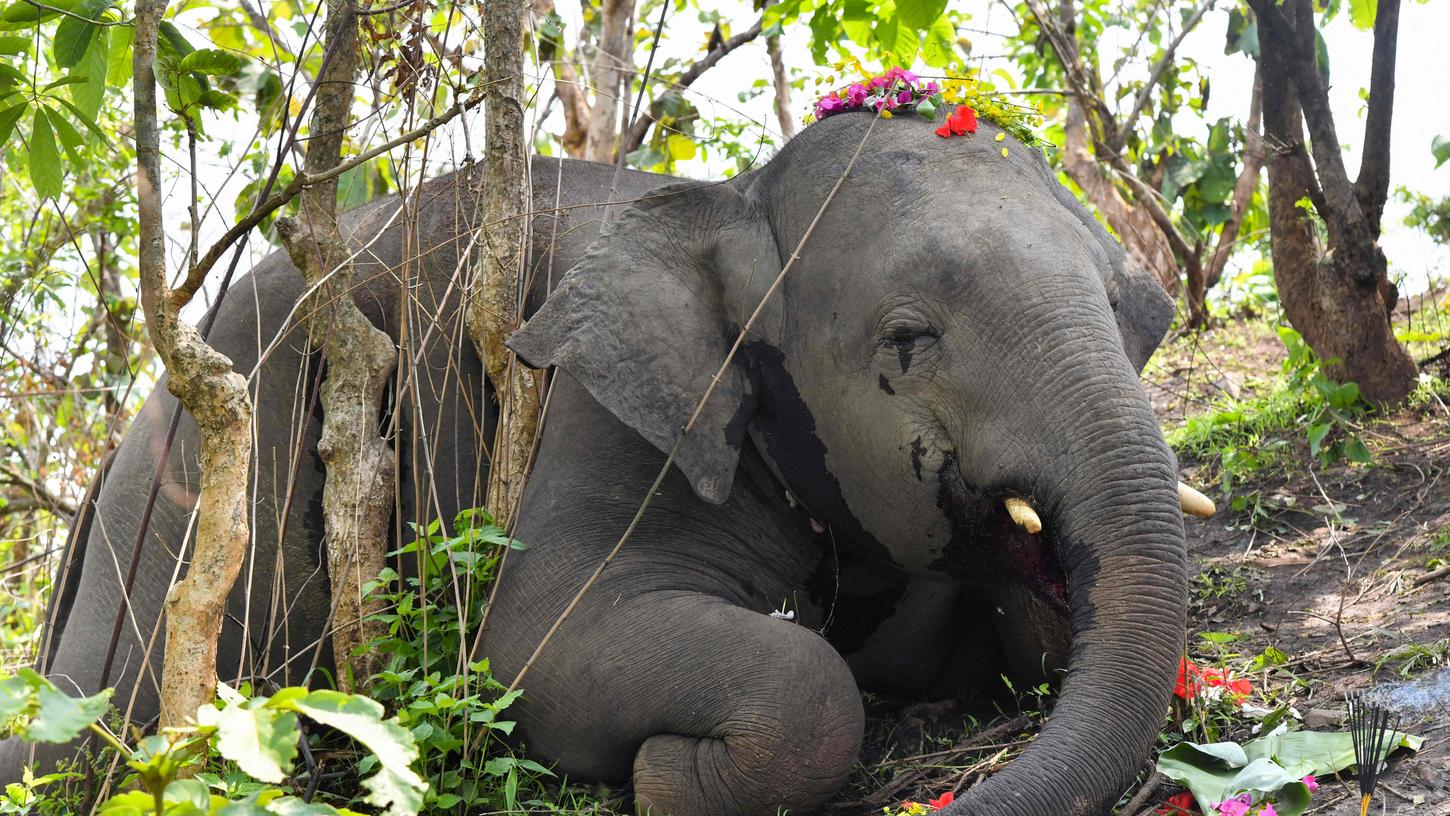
[[957, 330]]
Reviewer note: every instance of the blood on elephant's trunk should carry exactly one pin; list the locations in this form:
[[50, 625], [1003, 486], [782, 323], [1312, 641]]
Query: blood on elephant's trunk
[[1108, 498]]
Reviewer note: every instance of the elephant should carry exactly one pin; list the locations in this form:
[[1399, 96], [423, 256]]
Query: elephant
[[929, 459]]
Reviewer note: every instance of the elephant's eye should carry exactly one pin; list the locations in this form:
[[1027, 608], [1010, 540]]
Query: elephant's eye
[[904, 336]]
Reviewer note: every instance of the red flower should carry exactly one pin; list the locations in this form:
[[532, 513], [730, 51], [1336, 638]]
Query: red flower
[[942, 801], [962, 121], [1192, 680], [1177, 805]]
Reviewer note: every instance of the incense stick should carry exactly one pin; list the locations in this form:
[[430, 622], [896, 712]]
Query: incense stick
[[1371, 732]]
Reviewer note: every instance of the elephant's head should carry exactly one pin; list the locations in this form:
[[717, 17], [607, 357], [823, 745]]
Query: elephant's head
[[955, 331]]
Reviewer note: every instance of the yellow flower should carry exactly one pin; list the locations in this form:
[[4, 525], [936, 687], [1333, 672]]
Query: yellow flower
[[1001, 136], [885, 114], [1004, 152]]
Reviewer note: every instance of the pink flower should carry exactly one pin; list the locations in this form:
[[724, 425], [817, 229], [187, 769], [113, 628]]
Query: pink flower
[[1268, 810], [902, 74], [856, 95], [880, 81], [930, 88], [1310, 782], [1237, 806], [903, 98], [829, 104]]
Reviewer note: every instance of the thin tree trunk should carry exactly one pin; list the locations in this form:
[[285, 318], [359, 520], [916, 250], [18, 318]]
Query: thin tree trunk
[[1133, 224], [782, 88], [1196, 291], [215, 396], [357, 494], [493, 305], [608, 73], [1339, 298]]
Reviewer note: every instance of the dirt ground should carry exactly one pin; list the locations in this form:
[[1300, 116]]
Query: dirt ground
[[1342, 568]]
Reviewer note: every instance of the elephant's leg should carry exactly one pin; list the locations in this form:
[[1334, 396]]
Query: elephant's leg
[[723, 710]]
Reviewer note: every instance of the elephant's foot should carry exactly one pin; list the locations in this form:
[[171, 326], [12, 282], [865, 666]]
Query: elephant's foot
[[783, 727], [716, 709]]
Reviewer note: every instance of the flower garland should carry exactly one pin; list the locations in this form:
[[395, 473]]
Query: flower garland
[[899, 90]]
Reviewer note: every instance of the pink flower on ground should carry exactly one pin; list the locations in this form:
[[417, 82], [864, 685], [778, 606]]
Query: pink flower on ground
[[1237, 806], [1268, 810], [856, 95], [1310, 782]]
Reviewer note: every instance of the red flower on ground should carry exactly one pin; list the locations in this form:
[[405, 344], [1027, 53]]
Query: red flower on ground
[[942, 801], [962, 121], [1178, 804], [1192, 680]]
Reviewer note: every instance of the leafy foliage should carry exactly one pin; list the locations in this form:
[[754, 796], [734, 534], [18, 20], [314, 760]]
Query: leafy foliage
[[1240, 437]]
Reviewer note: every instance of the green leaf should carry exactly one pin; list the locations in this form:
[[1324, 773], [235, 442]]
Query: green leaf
[[1440, 147], [210, 61], [81, 117], [214, 99], [45, 170], [15, 44], [118, 57], [16, 693], [1362, 13], [920, 14], [936, 50], [1321, 55], [1316, 436], [10, 76], [69, 138], [60, 717], [395, 786], [262, 741], [76, 31], [88, 95], [8, 118]]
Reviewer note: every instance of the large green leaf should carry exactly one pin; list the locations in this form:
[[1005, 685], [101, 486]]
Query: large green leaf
[[70, 139], [1362, 13], [60, 717], [1270, 766], [88, 95], [9, 116], [210, 61], [262, 741], [45, 170], [920, 14], [77, 30], [395, 786]]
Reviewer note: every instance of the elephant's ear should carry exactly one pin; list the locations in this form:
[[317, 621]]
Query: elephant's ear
[[1144, 311], [644, 320]]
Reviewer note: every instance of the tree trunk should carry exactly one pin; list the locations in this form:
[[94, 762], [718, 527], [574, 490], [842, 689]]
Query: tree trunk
[[493, 305], [1201, 279], [1339, 298], [610, 68], [215, 396], [1134, 225], [357, 494], [782, 88]]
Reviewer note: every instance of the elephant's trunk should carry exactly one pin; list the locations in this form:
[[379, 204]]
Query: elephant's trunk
[[1105, 484]]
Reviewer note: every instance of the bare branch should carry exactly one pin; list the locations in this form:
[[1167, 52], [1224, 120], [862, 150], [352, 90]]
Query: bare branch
[[183, 294], [686, 79], [1120, 137]]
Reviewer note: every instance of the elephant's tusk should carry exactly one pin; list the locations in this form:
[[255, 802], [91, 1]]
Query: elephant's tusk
[[1195, 503], [1023, 514]]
